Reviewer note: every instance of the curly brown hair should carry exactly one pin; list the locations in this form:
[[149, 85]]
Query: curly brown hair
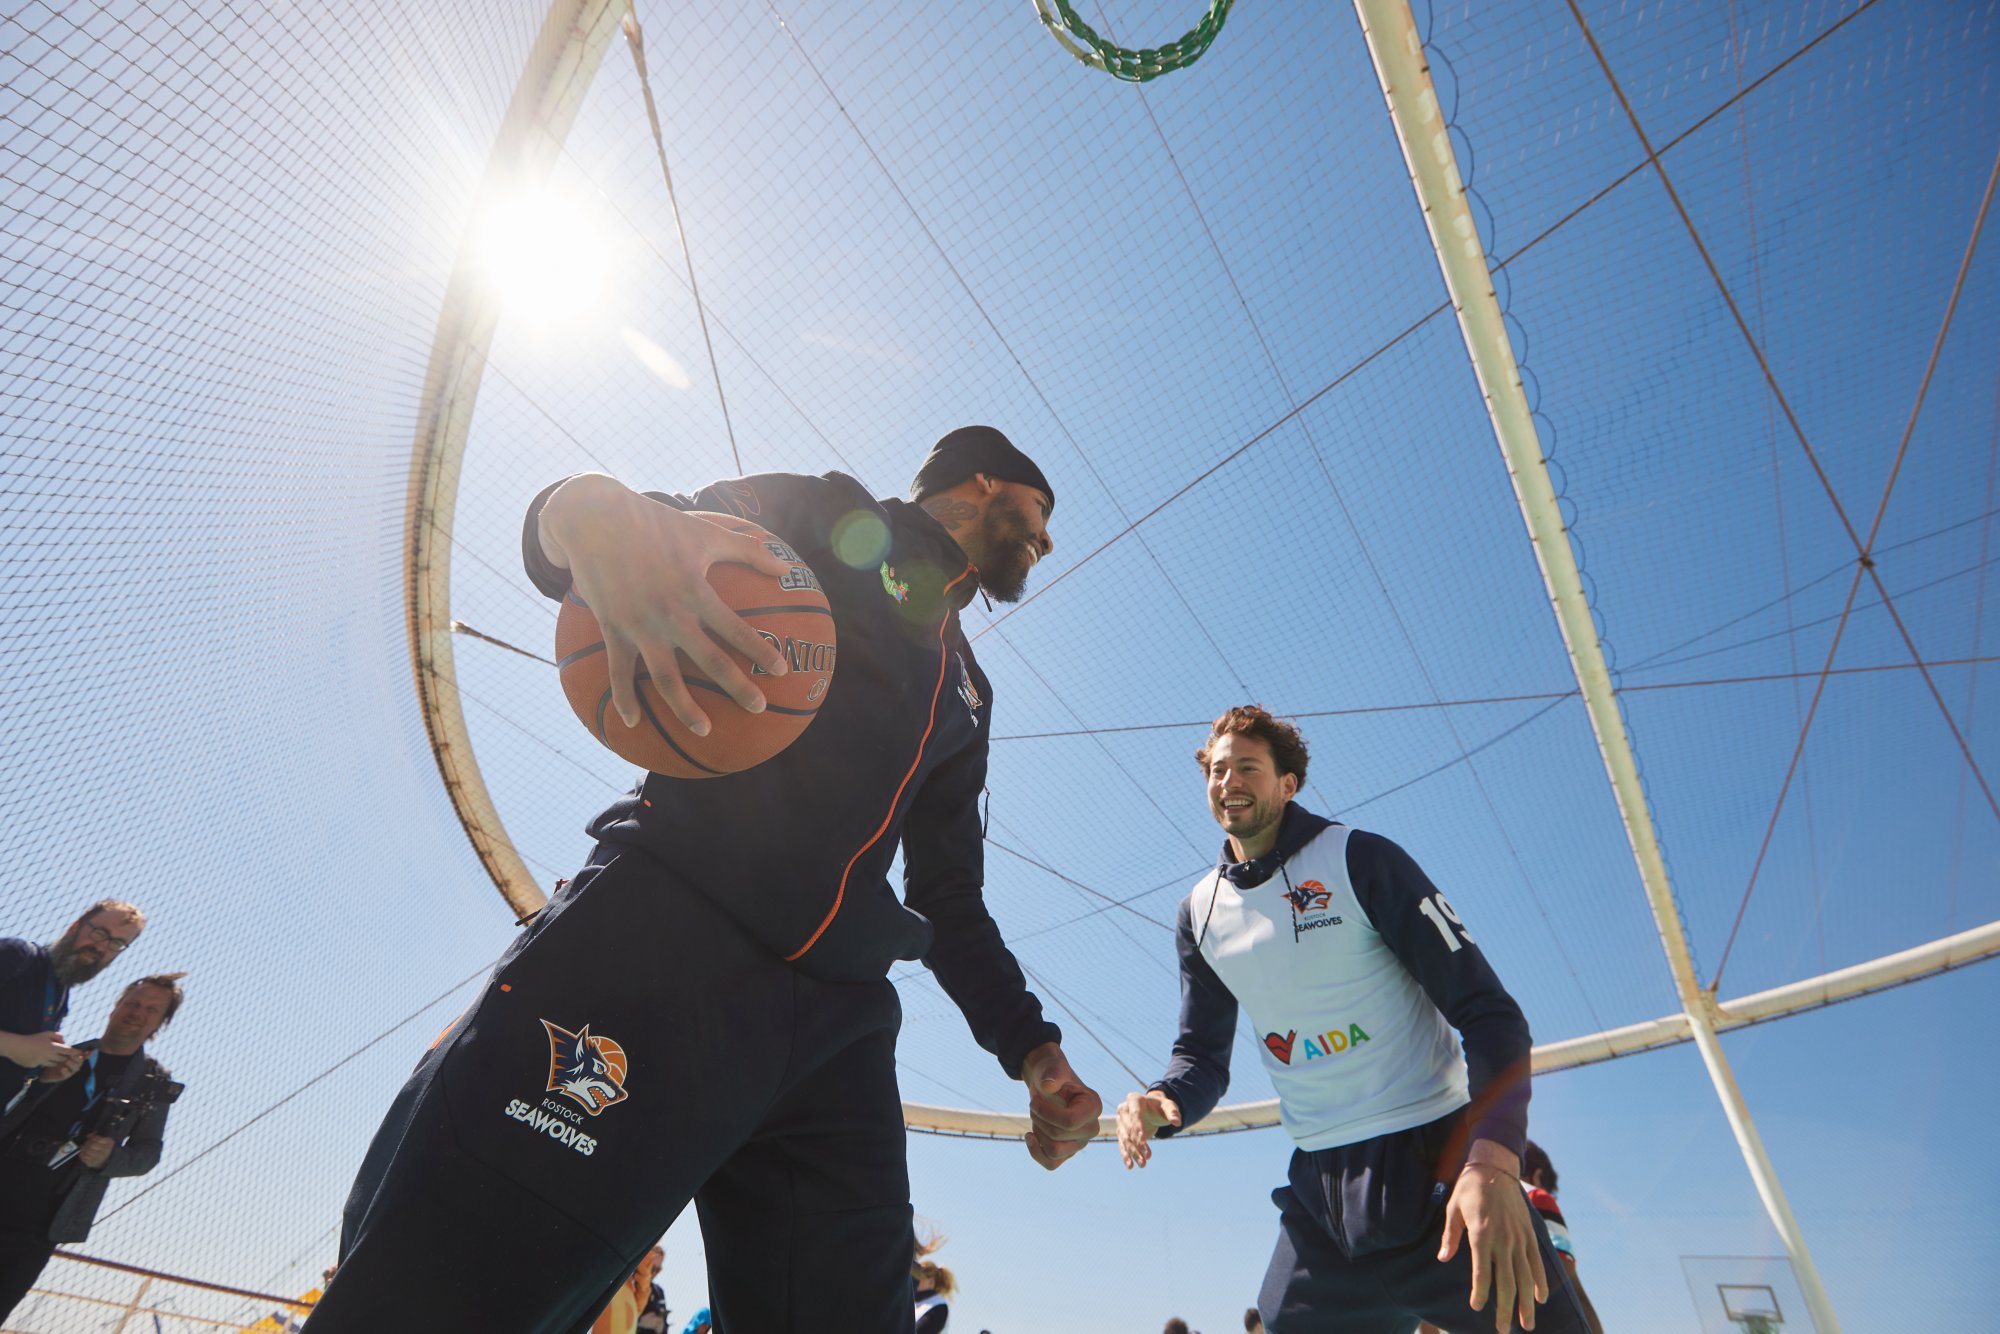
[[1288, 748]]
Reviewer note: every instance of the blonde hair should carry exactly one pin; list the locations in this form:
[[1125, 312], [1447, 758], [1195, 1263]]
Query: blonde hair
[[934, 1276], [928, 1273]]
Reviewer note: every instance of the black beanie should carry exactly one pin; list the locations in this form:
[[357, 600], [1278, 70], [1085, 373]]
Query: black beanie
[[972, 449]]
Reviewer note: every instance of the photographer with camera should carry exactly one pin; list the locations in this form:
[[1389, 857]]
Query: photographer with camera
[[73, 1130]]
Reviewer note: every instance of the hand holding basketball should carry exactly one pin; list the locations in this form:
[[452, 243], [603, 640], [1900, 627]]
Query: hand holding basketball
[[642, 567]]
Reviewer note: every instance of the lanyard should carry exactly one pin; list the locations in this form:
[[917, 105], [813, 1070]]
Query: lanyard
[[91, 1093], [54, 1004]]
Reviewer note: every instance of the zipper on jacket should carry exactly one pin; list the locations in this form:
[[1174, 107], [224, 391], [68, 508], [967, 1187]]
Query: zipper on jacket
[[916, 762]]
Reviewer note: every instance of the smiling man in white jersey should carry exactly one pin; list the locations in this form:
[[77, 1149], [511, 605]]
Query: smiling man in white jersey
[[1404, 1199]]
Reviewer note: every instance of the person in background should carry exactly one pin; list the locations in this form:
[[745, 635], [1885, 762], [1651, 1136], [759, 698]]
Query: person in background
[[653, 1320], [699, 1323], [621, 1314], [1538, 1178], [1252, 1322], [75, 1129], [934, 1285], [34, 991], [1175, 1325]]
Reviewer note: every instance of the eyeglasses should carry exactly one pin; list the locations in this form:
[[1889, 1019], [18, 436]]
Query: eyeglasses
[[98, 935]]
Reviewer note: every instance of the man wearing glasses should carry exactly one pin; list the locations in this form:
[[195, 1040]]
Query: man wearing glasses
[[34, 992]]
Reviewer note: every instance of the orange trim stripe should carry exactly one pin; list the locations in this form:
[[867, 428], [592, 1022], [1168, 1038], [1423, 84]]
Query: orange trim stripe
[[929, 723]]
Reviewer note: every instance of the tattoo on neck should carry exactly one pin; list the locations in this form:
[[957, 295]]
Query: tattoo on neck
[[951, 511]]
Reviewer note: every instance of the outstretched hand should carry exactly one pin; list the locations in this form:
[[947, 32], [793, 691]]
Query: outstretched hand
[[1062, 1109], [1138, 1117], [642, 568], [1489, 1210]]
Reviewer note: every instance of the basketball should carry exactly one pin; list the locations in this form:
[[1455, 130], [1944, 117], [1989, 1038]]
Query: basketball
[[789, 610]]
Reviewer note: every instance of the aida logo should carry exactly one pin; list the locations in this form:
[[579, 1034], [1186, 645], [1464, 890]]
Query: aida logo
[[896, 588], [588, 1070], [1316, 1046]]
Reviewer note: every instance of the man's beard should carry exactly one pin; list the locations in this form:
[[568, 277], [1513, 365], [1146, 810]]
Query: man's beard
[[1263, 816], [1004, 534], [69, 967]]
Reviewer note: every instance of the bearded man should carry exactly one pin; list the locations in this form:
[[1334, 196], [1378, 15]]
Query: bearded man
[[35, 981], [757, 1044]]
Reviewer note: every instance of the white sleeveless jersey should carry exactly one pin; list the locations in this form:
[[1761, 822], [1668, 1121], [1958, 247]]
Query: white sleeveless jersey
[[1352, 1043]]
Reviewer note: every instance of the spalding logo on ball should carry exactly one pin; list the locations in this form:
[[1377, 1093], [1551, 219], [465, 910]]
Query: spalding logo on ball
[[788, 610]]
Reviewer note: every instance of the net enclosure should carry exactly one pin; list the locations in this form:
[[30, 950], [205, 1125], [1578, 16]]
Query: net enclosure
[[303, 303]]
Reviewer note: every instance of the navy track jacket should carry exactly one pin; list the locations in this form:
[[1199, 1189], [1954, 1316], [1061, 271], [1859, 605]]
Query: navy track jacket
[[799, 848]]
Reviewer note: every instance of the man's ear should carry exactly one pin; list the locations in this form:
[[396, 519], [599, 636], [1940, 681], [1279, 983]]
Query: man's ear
[[988, 483], [1293, 790]]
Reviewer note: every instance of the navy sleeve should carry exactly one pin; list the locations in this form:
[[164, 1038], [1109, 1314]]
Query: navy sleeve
[[22, 979], [944, 876], [16, 957], [800, 509], [1421, 928], [1198, 1074]]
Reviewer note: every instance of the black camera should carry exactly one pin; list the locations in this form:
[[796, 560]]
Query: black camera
[[116, 1116]]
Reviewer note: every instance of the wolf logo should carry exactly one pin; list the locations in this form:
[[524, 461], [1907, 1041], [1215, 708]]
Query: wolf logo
[[589, 1071], [1308, 896]]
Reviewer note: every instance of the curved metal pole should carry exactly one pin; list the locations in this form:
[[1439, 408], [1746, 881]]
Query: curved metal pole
[[560, 67], [1813, 993]]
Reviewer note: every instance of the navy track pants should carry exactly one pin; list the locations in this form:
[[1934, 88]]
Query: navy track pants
[[633, 1050], [1314, 1286]]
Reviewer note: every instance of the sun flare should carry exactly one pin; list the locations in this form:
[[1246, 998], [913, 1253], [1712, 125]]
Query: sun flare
[[543, 256]]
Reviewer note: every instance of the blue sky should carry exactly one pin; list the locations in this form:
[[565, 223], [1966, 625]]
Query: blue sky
[[1210, 310]]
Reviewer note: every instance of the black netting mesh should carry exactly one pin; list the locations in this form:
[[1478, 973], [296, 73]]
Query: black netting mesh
[[1208, 306]]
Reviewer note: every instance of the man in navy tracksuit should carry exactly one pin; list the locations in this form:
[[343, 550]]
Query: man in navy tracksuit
[[1404, 1198], [749, 1064]]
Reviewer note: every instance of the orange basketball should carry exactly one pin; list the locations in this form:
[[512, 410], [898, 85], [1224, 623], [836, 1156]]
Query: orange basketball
[[789, 610]]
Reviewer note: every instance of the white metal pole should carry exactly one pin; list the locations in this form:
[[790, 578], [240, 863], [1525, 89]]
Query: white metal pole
[[1763, 1174], [1397, 49]]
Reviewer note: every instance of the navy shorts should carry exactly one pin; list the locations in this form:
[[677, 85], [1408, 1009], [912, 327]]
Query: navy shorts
[[633, 1051], [1358, 1234]]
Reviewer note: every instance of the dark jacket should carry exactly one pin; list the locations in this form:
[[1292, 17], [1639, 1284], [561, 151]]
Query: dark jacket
[[138, 1151], [30, 1002], [799, 848]]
